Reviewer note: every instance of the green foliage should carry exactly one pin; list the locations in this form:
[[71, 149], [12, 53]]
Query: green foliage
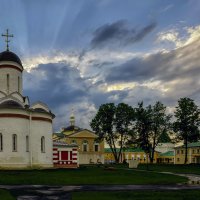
[[114, 123], [187, 122], [151, 123], [143, 127], [164, 138]]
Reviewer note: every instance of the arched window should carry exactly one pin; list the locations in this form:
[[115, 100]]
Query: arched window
[[85, 145], [18, 84], [14, 142], [1, 142], [27, 143], [42, 144]]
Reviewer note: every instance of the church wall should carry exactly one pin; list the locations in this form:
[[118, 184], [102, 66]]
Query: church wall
[[13, 77], [8, 157], [18, 123], [41, 128]]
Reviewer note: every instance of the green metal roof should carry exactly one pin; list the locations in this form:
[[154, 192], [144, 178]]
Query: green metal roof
[[193, 144], [168, 153], [133, 150], [108, 150]]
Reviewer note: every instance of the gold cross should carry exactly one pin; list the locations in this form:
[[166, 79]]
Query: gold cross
[[6, 38]]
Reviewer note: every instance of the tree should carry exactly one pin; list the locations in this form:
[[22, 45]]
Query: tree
[[113, 123], [160, 125], [143, 127], [186, 125], [164, 138], [151, 122]]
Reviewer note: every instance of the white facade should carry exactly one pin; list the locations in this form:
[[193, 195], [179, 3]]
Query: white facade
[[25, 131]]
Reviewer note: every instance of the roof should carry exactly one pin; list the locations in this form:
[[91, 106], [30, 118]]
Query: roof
[[71, 128], [108, 150], [10, 56], [190, 145], [168, 153], [59, 135], [134, 150], [63, 144]]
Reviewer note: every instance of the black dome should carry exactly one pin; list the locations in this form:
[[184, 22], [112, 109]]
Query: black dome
[[10, 56]]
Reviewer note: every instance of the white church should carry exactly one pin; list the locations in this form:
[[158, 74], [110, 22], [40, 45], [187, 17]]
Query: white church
[[25, 130]]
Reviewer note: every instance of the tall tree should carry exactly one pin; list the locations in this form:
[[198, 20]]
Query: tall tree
[[186, 125], [151, 122], [113, 123], [160, 125], [143, 127]]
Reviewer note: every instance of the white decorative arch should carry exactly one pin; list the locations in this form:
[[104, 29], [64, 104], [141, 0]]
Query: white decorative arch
[[41, 105]]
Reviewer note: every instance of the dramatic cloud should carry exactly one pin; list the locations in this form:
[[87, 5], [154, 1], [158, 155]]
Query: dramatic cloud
[[176, 71], [118, 33]]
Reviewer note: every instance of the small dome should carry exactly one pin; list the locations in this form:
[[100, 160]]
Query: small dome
[[10, 56], [10, 104]]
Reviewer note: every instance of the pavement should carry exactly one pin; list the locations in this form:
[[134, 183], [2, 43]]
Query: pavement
[[41, 192]]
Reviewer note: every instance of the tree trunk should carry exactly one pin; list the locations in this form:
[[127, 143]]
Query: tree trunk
[[186, 150]]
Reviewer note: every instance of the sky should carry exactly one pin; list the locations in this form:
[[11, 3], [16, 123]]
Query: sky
[[80, 54]]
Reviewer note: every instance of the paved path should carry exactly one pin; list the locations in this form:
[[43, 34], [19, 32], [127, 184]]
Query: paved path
[[40, 192]]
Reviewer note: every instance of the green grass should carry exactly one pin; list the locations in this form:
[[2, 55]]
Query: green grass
[[138, 195], [5, 195], [88, 175], [184, 169]]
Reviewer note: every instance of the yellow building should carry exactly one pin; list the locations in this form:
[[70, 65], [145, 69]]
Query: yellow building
[[193, 153], [166, 157], [109, 157], [129, 154], [89, 150]]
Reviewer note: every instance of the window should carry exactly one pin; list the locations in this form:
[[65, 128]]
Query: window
[[14, 142], [178, 159], [18, 84], [182, 152], [8, 83], [96, 147], [1, 142], [73, 142], [85, 145], [177, 151], [42, 144], [27, 143], [193, 151], [197, 150]]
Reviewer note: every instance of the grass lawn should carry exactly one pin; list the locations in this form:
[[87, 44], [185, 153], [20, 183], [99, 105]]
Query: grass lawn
[[88, 175], [185, 169], [5, 195], [138, 195]]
